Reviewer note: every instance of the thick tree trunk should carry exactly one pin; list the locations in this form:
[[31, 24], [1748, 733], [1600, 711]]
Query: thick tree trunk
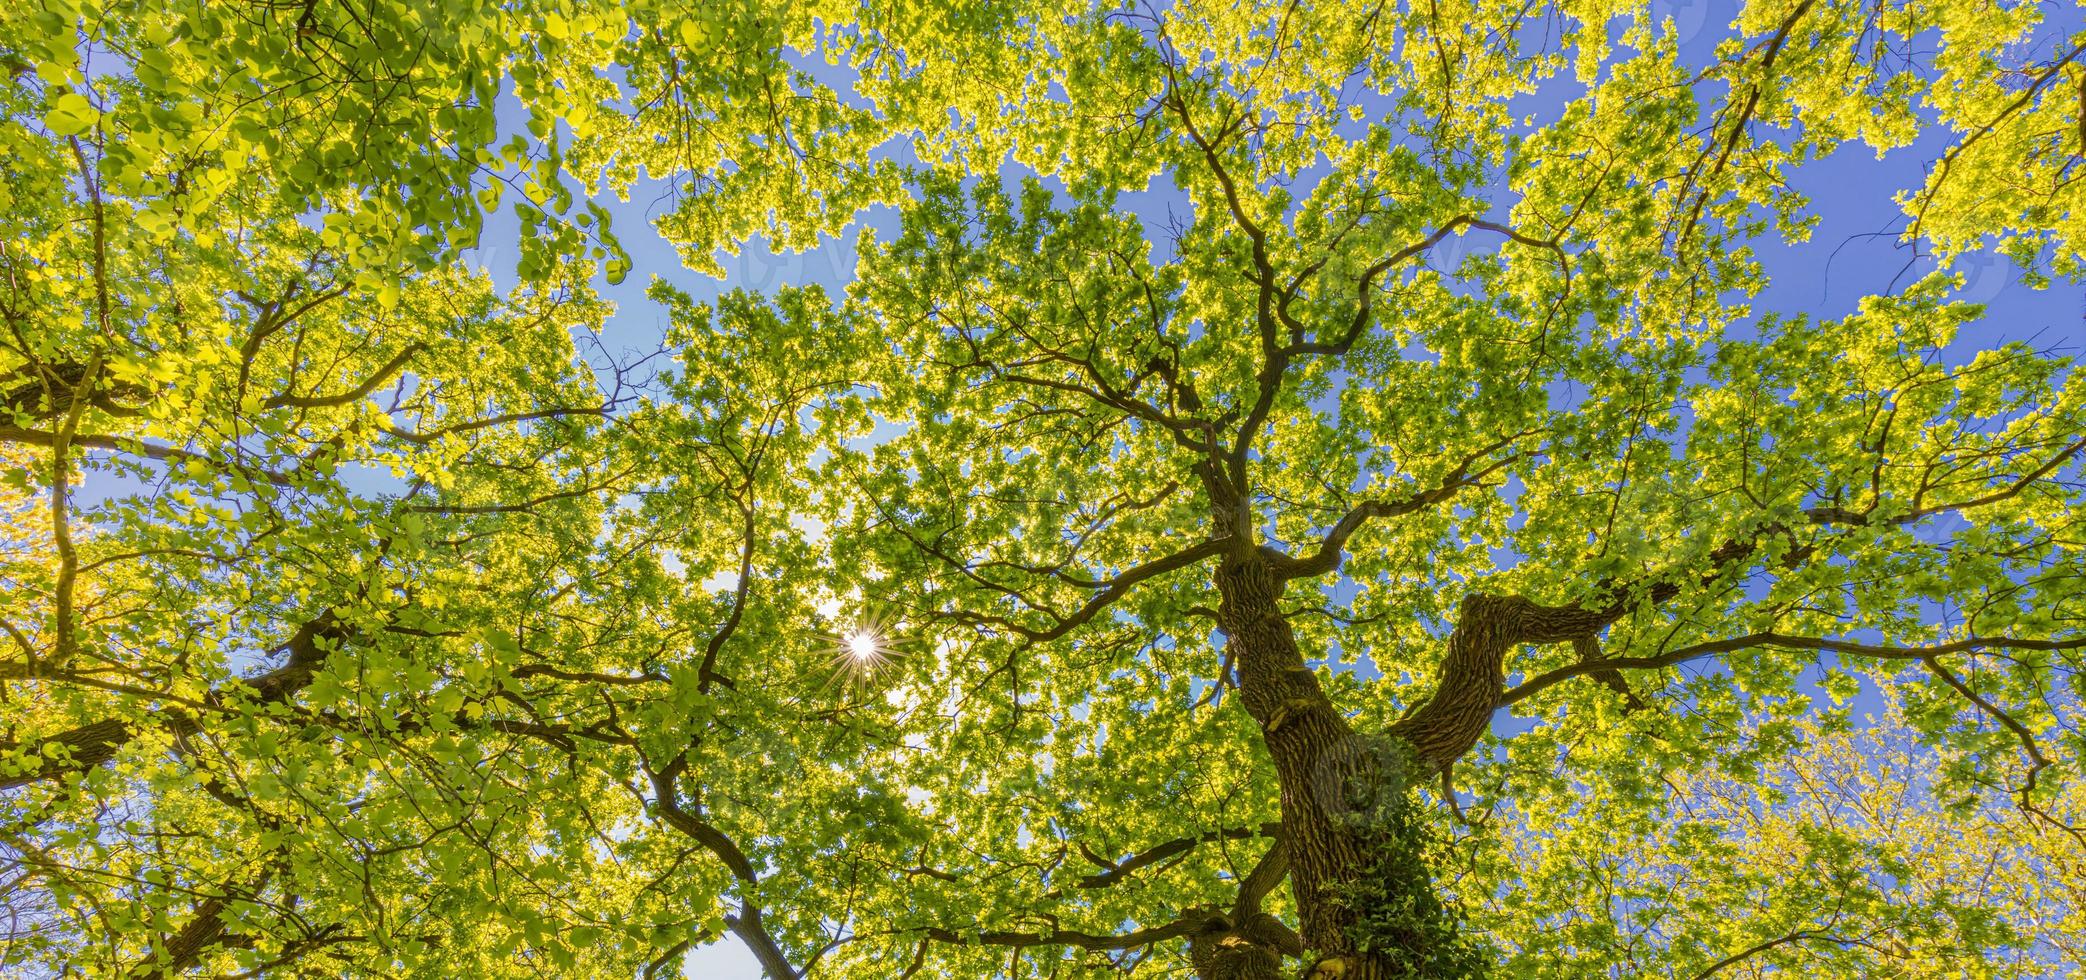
[[1331, 779], [1355, 853]]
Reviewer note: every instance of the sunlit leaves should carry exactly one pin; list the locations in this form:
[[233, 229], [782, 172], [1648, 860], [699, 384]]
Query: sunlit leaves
[[412, 633]]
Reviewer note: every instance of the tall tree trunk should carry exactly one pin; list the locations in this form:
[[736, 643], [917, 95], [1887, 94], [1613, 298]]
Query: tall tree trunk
[[1335, 784]]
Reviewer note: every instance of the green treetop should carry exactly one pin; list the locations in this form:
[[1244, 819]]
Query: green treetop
[[1072, 592]]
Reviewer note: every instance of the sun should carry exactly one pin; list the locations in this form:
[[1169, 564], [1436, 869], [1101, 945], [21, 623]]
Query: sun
[[863, 650], [864, 646]]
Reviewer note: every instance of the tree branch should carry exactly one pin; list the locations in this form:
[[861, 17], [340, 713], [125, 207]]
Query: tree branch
[[1331, 548], [88, 746], [1446, 725], [1117, 871], [375, 380], [747, 925], [1108, 594], [1551, 678]]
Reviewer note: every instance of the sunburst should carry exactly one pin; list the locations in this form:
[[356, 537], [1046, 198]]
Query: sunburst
[[862, 646], [864, 649]]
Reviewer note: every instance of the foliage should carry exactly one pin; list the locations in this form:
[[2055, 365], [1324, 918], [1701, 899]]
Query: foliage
[[370, 613], [1402, 913], [1837, 860]]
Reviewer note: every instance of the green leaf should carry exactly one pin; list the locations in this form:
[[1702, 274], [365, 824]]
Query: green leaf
[[71, 114]]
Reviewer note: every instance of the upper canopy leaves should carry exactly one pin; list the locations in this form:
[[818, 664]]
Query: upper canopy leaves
[[365, 618]]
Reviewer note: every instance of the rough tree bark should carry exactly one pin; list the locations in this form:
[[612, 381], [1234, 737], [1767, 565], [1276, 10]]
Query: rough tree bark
[[1333, 778], [1316, 755]]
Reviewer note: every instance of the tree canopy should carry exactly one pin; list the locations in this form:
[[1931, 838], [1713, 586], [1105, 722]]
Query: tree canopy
[[1428, 549]]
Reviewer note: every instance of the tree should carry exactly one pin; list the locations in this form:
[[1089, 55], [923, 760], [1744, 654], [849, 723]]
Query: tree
[[1001, 613]]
